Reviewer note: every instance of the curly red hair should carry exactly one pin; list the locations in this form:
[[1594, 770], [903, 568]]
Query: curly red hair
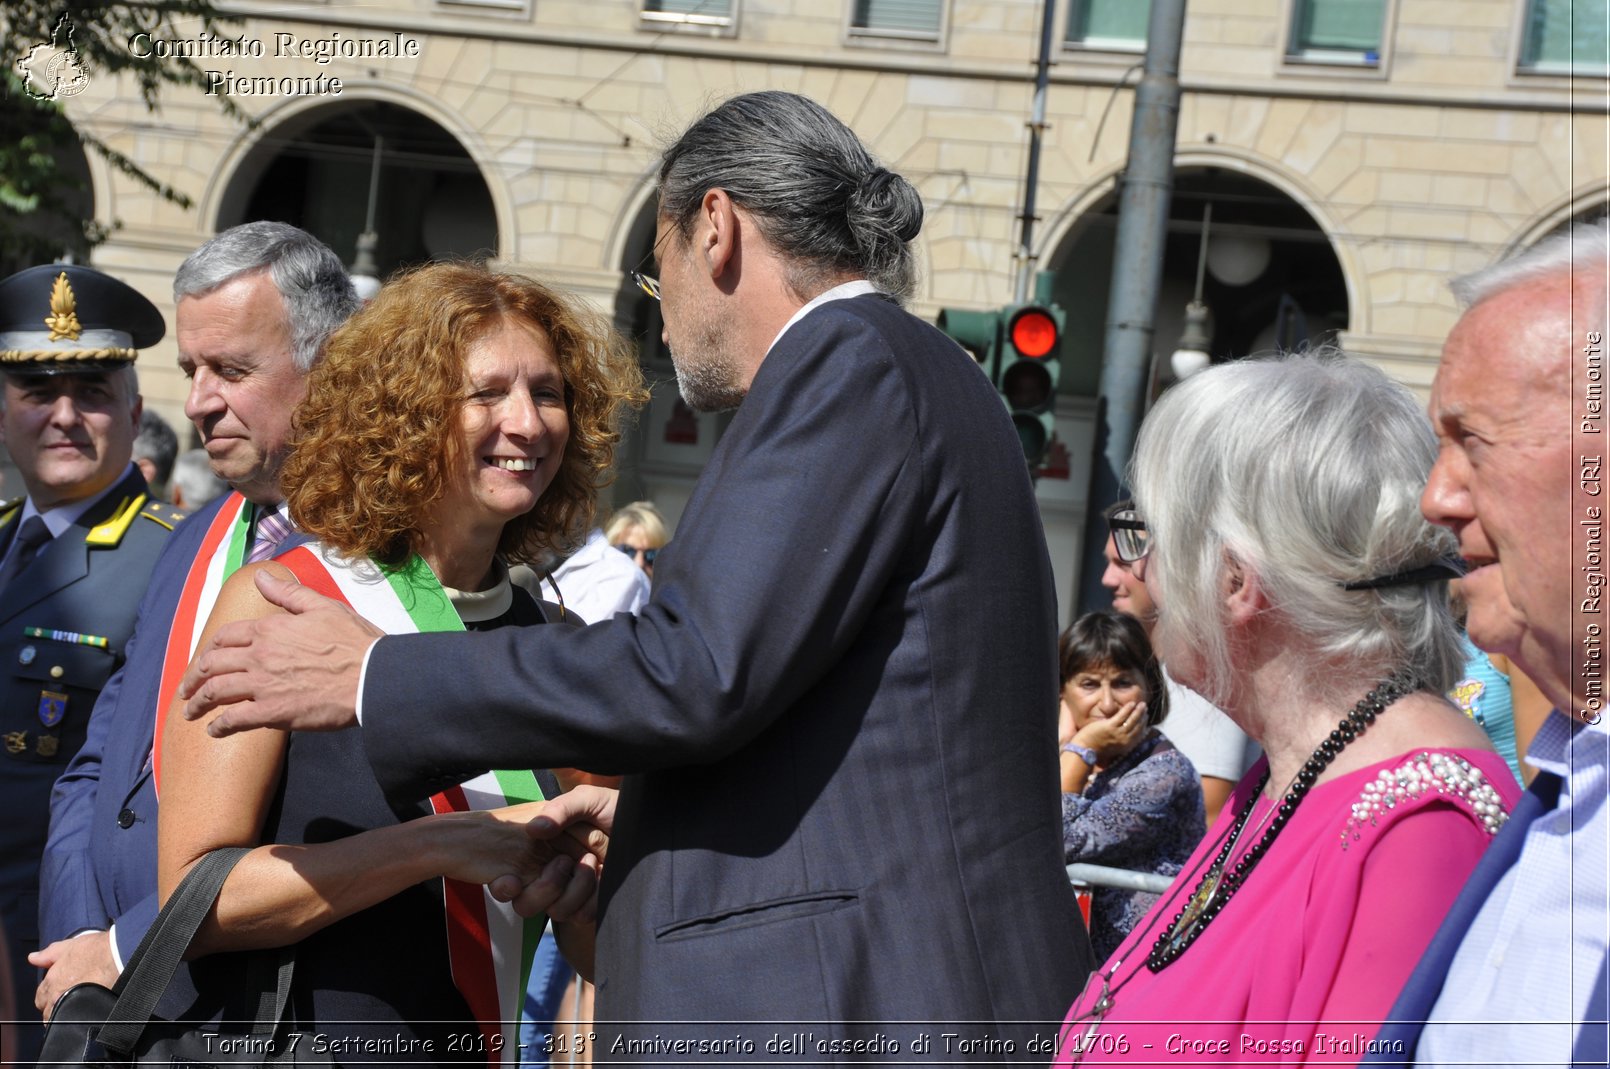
[[374, 439]]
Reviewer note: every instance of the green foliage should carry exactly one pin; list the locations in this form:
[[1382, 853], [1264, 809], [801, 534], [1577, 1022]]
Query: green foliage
[[41, 191]]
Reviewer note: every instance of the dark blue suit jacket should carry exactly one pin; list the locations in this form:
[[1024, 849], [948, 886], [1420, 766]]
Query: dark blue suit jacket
[[1424, 987], [100, 869], [837, 712]]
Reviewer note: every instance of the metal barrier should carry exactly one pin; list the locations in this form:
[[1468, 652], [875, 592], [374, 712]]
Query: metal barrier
[[1084, 877], [1125, 879]]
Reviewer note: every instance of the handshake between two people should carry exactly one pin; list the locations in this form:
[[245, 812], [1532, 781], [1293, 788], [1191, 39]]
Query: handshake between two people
[[541, 857]]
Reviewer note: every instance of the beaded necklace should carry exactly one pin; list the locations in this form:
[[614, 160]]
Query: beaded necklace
[[1220, 882]]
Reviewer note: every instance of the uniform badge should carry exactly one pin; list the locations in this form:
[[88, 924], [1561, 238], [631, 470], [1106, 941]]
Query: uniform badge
[[52, 707], [26, 655], [48, 745], [16, 741], [63, 318]]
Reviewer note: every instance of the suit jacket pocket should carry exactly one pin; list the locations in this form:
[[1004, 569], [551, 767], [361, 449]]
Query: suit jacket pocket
[[777, 910], [53, 663]]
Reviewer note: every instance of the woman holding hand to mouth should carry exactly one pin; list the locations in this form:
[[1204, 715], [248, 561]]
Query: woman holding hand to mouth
[[462, 420]]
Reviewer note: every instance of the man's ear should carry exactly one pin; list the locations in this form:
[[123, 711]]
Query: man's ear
[[1243, 593], [717, 241]]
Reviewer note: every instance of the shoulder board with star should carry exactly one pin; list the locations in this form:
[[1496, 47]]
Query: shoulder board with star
[[110, 531], [10, 510], [168, 515]]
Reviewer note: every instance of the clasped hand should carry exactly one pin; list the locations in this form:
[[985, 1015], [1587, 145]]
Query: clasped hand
[[553, 863]]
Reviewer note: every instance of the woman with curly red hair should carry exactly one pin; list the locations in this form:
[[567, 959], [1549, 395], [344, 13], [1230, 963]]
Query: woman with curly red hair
[[462, 421]]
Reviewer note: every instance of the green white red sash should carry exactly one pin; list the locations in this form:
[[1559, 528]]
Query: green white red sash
[[223, 548], [491, 946]]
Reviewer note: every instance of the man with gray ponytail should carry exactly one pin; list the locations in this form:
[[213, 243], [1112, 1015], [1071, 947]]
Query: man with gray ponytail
[[835, 710]]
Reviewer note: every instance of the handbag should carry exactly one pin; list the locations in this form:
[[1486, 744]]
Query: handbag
[[92, 1026]]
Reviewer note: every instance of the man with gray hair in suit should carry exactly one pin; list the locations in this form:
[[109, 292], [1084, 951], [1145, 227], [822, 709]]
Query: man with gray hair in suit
[[254, 306], [836, 712]]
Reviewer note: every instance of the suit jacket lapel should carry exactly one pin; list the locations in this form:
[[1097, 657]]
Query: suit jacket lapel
[[66, 559]]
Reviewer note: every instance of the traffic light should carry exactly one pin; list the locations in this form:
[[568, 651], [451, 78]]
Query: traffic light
[[977, 332], [1030, 362], [1019, 347]]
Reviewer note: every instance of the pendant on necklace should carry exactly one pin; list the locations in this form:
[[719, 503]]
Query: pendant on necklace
[[1183, 930]]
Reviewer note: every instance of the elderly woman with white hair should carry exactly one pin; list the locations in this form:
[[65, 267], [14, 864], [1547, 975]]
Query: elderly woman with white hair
[[1298, 588]]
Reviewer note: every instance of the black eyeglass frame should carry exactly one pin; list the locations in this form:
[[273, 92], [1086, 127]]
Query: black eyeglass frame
[[1131, 538], [648, 283]]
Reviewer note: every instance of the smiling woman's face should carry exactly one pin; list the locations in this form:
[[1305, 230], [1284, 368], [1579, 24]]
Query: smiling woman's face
[[513, 427]]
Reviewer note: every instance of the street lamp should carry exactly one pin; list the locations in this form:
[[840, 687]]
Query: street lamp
[[1192, 354], [365, 271]]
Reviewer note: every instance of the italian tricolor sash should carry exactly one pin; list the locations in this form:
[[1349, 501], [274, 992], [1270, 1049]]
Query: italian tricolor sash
[[223, 548], [490, 945]]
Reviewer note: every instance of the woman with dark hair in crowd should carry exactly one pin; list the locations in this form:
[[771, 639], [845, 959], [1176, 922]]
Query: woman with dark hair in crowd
[[1130, 800], [1299, 589], [462, 420]]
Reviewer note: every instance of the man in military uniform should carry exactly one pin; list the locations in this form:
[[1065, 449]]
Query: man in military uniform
[[75, 554], [253, 308]]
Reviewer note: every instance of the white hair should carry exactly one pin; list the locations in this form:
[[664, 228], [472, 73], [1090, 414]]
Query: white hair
[[1582, 250], [1305, 470]]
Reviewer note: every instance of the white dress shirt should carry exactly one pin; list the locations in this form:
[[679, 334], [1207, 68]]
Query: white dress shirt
[[598, 581], [1522, 977]]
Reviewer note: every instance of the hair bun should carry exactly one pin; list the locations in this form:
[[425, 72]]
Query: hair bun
[[885, 203]]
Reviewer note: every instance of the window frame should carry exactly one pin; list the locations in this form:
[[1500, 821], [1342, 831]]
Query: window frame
[[1520, 70], [1334, 59], [1115, 45], [504, 9], [1335, 63], [866, 36], [680, 22]]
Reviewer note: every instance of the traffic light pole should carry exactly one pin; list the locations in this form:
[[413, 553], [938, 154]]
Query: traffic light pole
[[1031, 178], [1137, 269]]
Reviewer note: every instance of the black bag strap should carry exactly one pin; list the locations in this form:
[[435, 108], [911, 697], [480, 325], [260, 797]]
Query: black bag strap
[[151, 967]]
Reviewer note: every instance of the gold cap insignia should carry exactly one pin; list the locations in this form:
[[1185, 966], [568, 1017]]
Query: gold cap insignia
[[63, 317]]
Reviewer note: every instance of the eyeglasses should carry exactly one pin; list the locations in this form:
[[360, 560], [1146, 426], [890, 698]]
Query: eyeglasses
[[648, 283], [1130, 537], [650, 286], [633, 551]]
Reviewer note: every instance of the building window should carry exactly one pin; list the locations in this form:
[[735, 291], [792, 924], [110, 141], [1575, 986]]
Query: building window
[[913, 19], [491, 7], [692, 12], [1337, 31], [1564, 37], [1113, 24]]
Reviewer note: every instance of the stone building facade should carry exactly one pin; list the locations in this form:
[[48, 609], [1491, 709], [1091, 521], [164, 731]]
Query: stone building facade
[[1362, 150]]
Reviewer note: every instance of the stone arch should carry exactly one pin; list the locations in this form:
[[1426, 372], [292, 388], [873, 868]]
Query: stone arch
[[1304, 288], [1586, 202], [42, 237], [447, 177]]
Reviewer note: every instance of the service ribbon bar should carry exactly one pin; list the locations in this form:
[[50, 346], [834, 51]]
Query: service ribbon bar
[[67, 636]]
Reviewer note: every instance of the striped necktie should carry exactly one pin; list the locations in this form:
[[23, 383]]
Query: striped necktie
[[272, 529]]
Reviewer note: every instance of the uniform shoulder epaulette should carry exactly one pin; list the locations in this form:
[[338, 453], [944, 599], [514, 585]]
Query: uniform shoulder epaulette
[[168, 515], [110, 531], [9, 507]]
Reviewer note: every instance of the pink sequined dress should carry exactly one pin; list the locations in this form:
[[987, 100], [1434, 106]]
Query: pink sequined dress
[[1307, 956]]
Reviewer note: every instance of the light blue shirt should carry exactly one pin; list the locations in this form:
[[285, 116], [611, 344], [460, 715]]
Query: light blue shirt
[[1521, 979]]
